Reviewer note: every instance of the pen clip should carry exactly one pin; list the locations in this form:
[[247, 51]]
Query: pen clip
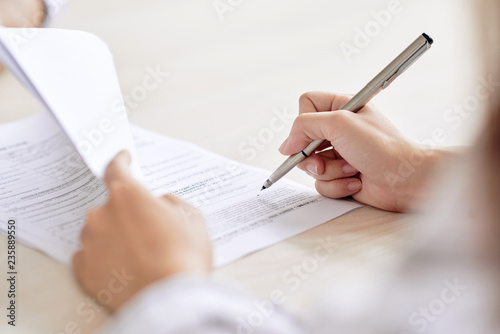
[[406, 64]]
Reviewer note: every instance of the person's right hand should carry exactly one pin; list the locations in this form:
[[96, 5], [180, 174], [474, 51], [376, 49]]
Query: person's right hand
[[371, 160]]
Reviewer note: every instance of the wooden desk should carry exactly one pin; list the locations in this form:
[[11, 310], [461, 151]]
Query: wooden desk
[[227, 80]]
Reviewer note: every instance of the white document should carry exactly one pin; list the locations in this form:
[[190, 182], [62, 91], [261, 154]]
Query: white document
[[47, 188], [73, 75], [51, 163]]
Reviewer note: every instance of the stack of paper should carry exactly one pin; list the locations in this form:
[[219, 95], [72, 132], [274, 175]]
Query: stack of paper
[[51, 164]]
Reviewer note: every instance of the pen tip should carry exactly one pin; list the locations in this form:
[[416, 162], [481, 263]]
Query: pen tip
[[263, 187]]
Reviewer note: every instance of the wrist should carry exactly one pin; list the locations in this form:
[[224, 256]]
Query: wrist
[[421, 166]]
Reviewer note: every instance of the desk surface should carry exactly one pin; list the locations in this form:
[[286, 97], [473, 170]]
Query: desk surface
[[235, 72]]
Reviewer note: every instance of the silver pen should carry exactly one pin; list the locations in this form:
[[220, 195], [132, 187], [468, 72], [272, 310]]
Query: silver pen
[[380, 82]]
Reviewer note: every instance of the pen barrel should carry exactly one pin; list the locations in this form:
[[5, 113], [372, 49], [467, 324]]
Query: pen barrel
[[313, 146], [383, 79], [380, 82], [362, 98], [286, 166]]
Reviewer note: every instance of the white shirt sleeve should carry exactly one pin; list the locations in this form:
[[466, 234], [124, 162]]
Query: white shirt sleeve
[[187, 304]]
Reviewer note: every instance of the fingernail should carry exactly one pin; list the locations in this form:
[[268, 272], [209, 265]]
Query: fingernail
[[348, 169], [312, 168], [124, 157], [354, 185], [282, 147]]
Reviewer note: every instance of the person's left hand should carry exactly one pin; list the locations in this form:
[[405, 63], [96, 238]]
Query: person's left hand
[[136, 239]]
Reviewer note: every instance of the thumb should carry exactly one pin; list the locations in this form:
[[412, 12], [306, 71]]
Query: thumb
[[312, 126], [118, 168]]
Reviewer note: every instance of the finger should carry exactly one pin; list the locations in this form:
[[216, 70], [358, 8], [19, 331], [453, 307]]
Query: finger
[[339, 188], [324, 146], [312, 126], [321, 101], [94, 219], [78, 263], [187, 211], [172, 199], [325, 169], [84, 235], [118, 168]]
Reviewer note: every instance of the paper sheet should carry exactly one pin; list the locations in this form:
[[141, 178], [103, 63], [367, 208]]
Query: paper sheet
[[47, 188], [73, 75]]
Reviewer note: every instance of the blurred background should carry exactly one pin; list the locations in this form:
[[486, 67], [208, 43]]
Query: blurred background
[[236, 68]]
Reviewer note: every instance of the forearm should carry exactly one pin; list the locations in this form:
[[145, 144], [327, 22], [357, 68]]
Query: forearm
[[22, 13]]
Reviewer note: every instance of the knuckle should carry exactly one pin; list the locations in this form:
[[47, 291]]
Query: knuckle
[[300, 120], [305, 97]]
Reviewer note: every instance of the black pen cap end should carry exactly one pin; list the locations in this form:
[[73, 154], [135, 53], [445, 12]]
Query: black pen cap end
[[428, 38]]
